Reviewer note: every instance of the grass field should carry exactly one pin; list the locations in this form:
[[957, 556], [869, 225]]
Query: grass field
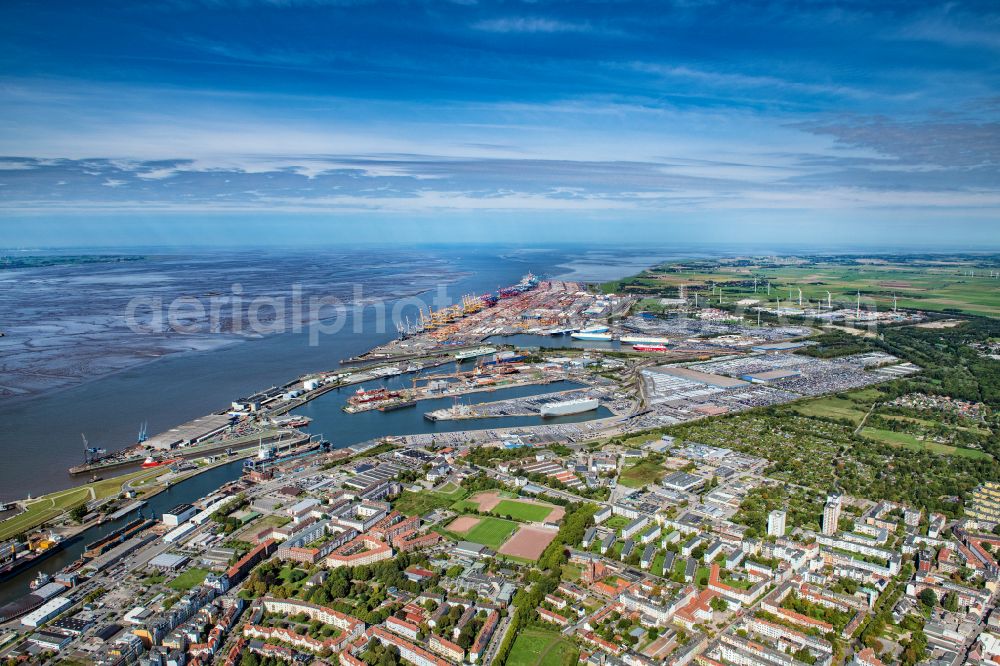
[[641, 474], [413, 504], [48, 507], [452, 491], [490, 532], [925, 285], [188, 579], [832, 407], [532, 513], [908, 441], [539, 647]]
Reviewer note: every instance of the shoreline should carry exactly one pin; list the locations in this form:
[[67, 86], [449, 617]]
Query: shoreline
[[566, 267]]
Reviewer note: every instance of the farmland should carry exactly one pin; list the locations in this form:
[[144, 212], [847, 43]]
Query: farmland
[[935, 284]]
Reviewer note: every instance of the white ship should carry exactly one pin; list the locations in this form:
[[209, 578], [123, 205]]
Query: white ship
[[644, 340], [473, 353], [584, 335], [568, 407]]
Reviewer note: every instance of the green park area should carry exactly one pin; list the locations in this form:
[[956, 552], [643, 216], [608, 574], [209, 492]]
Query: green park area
[[48, 507], [188, 579], [540, 647], [642, 473], [911, 442], [419, 503]]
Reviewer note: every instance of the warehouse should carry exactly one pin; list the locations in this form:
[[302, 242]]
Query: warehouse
[[46, 612], [771, 376], [169, 561], [179, 514], [191, 432]]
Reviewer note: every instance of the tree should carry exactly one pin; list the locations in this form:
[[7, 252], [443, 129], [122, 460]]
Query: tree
[[719, 604], [928, 598], [950, 602], [78, 513]]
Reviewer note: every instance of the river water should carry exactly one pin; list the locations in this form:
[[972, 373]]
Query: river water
[[40, 438]]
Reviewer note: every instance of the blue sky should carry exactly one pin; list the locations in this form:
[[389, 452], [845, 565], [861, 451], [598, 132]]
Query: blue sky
[[181, 121]]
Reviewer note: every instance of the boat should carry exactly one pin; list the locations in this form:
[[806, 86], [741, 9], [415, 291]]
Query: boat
[[594, 332], [568, 407], [41, 580], [473, 353], [650, 348], [644, 340], [582, 335], [292, 422], [151, 462], [527, 283], [361, 396], [39, 549], [391, 407]]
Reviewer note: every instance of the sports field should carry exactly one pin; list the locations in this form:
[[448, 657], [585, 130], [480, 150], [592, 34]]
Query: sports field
[[540, 647], [529, 543], [531, 513], [488, 531]]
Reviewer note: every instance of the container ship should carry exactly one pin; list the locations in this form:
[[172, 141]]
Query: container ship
[[650, 348], [527, 283], [568, 407]]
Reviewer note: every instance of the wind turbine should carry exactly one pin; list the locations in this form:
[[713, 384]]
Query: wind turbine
[[829, 301], [800, 297]]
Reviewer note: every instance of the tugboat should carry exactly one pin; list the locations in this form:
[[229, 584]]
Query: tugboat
[[41, 580], [150, 462]]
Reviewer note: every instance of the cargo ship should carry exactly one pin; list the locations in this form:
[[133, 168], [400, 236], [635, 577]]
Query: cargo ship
[[391, 407], [362, 397], [38, 550], [650, 348], [112, 539], [568, 407]]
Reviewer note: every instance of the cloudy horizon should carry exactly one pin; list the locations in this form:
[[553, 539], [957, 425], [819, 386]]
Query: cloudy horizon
[[311, 120]]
